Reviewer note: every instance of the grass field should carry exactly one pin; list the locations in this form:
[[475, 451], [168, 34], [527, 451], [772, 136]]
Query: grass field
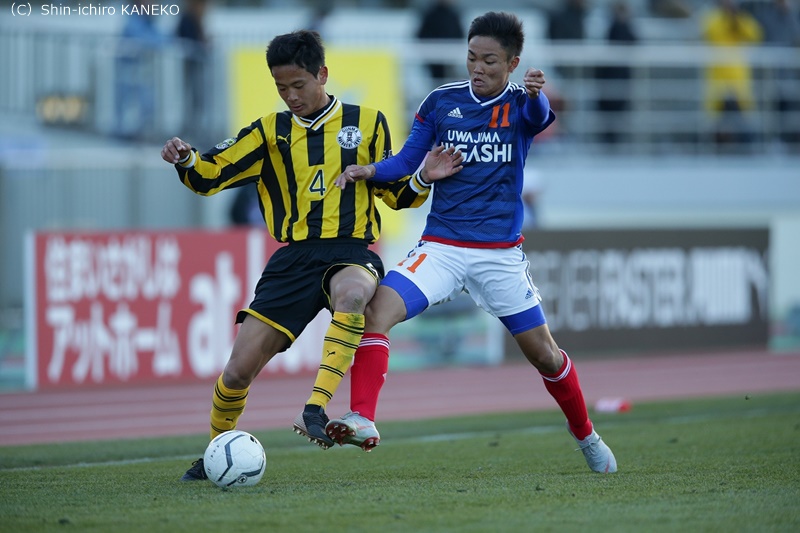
[[728, 464]]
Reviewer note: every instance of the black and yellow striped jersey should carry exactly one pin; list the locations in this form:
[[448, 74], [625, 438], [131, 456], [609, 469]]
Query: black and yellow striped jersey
[[294, 162]]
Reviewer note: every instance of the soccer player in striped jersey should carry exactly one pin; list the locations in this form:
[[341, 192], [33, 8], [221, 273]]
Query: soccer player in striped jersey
[[294, 157], [471, 241]]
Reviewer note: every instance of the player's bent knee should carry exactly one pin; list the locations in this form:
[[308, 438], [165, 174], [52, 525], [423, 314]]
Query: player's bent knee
[[235, 380], [242, 368], [353, 301]]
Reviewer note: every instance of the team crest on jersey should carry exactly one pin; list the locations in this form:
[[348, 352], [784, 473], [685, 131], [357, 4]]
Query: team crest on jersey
[[227, 143], [349, 137]]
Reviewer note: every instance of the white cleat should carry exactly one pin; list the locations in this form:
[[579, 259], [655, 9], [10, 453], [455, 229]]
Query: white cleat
[[598, 455], [354, 429]]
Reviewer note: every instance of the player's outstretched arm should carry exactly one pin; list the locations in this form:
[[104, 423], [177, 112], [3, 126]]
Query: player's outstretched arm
[[354, 173], [441, 163], [174, 150]]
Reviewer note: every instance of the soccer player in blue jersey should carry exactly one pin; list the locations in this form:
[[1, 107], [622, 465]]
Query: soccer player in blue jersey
[[472, 238]]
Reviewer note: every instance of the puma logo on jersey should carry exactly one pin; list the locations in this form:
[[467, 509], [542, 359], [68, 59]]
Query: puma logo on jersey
[[284, 139]]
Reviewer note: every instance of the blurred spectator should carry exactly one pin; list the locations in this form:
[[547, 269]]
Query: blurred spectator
[[320, 11], [441, 21], [781, 25], [778, 19], [567, 23], [245, 209], [729, 91], [196, 48], [135, 74], [615, 86]]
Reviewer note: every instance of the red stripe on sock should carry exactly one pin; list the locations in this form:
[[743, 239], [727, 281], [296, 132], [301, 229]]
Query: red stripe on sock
[[368, 373], [565, 388]]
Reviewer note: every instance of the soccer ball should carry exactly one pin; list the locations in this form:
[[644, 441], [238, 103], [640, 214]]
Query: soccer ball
[[234, 459]]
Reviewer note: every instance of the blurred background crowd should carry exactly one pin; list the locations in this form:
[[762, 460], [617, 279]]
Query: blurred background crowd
[[671, 113], [625, 74]]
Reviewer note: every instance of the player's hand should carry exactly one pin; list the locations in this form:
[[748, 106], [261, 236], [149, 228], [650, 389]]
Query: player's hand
[[533, 81], [354, 173], [441, 163], [174, 150]]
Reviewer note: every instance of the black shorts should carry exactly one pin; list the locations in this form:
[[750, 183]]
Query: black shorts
[[295, 284]]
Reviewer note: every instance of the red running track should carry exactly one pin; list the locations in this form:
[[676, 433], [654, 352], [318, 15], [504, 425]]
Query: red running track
[[138, 411]]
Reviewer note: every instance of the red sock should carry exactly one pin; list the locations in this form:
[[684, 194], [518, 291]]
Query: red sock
[[566, 389], [368, 373]]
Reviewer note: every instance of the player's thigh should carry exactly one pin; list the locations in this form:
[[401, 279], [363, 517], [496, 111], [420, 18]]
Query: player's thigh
[[499, 281], [437, 270], [290, 292], [386, 309]]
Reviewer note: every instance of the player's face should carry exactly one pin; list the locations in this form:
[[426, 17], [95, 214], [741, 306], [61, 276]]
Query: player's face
[[488, 65], [300, 91]]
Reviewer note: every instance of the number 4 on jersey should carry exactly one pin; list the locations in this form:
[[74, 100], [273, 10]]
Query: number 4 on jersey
[[318, 183]]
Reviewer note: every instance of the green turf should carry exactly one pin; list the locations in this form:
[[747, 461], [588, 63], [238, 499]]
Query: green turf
[[728, 464]]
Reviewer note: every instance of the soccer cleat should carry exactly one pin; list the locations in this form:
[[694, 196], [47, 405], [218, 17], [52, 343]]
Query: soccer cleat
[[311, 423], [354, 429], [196, 472], [597, 453]]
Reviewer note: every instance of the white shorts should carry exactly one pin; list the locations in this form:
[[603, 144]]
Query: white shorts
[[497, 279]]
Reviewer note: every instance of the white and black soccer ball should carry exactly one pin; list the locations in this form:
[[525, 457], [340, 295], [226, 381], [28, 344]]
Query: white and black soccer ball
[[235, 459]]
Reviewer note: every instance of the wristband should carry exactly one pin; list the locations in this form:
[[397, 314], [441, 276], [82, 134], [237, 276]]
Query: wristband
[[417, 184], [190, 158]]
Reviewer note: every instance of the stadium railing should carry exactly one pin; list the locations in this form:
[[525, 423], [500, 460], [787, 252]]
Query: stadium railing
[[77, 81]]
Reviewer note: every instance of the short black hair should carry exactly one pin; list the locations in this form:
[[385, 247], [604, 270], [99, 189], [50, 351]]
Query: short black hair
[[303, 48], [505, 28]]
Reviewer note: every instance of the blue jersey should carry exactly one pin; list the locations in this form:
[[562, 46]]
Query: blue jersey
[[481, 206]]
